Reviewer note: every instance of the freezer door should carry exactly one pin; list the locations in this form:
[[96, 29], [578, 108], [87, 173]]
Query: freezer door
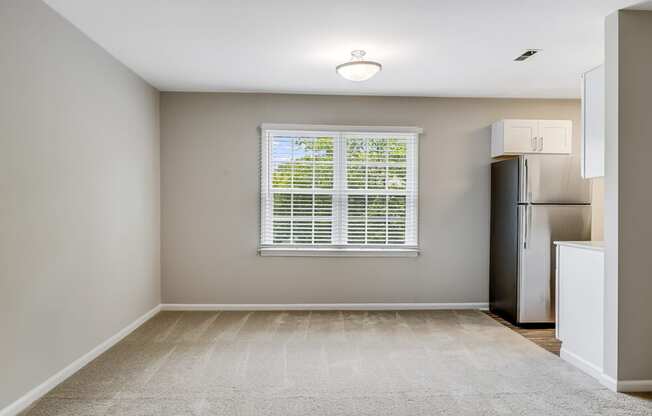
[[503, 253], [541, 225], [553, 179]]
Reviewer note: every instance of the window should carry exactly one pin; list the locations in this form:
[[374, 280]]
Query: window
[[339, 190]]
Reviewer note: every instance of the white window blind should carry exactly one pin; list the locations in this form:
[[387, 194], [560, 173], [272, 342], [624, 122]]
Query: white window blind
[[339, 189]]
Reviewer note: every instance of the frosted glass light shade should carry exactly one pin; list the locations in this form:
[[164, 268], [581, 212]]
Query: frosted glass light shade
[[358, 69]]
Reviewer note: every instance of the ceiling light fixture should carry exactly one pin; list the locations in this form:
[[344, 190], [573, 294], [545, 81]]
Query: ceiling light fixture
[[358, 69]]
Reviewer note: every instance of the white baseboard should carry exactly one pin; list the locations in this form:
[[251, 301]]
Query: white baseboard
[[320, 306], [579, 362], [634, 386], [609, 382], [621, 386], [39, 391], [626, 386]]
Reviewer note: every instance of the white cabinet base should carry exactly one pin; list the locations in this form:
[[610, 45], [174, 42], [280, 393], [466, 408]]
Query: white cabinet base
[[580, 305]]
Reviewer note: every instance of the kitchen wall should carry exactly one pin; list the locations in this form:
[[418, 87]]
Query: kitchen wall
[[210, 191], [80, 202]]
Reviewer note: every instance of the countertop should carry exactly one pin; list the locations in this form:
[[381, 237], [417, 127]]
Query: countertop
[[587, 245]]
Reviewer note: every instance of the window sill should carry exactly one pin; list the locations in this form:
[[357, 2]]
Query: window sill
[[337, 252]]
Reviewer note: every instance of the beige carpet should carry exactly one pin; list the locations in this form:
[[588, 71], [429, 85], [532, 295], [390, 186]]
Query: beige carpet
[[331, 363]]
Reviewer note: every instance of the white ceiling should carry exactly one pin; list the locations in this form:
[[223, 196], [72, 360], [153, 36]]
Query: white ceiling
[[427, 47]]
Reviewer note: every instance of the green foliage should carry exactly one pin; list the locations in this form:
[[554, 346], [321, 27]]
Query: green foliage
[[313, 158], [306, 163], [312, 164]]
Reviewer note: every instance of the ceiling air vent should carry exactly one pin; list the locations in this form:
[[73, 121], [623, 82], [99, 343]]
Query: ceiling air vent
[[527, 54]]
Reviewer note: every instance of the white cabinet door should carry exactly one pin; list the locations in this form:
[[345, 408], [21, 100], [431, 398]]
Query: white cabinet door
[[555, 136], [593, 123], [580, 307], [520, 136], [517, 137]]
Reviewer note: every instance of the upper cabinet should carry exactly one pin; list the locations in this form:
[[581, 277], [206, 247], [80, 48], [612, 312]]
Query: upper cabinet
[[516, 137], [593, 123]]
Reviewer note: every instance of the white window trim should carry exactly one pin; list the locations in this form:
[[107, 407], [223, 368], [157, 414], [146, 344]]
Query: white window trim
[[334, 250], [337, 252], [340, 128]]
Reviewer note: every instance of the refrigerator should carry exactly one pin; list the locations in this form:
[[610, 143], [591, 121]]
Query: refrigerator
[[535, 200]]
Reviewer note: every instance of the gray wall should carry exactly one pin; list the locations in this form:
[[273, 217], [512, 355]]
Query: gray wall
[[628, 194], [210, 186], [79, 196]]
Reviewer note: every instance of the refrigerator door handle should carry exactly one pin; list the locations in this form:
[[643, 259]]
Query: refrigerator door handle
[[527, 181], [526, 225]]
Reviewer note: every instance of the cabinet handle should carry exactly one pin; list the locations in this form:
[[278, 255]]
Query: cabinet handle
[[533, 142], [541, 144]]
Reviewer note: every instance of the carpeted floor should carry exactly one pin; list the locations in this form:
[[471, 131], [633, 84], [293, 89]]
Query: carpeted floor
[[331, 363]]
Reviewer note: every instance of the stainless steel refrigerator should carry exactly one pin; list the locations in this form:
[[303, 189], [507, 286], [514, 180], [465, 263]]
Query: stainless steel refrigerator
[[535, 200]]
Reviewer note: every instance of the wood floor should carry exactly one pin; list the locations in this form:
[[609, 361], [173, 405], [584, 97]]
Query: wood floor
[[543, 337]]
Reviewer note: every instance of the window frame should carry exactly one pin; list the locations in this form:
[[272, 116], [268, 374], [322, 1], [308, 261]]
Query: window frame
[[339, 161]]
